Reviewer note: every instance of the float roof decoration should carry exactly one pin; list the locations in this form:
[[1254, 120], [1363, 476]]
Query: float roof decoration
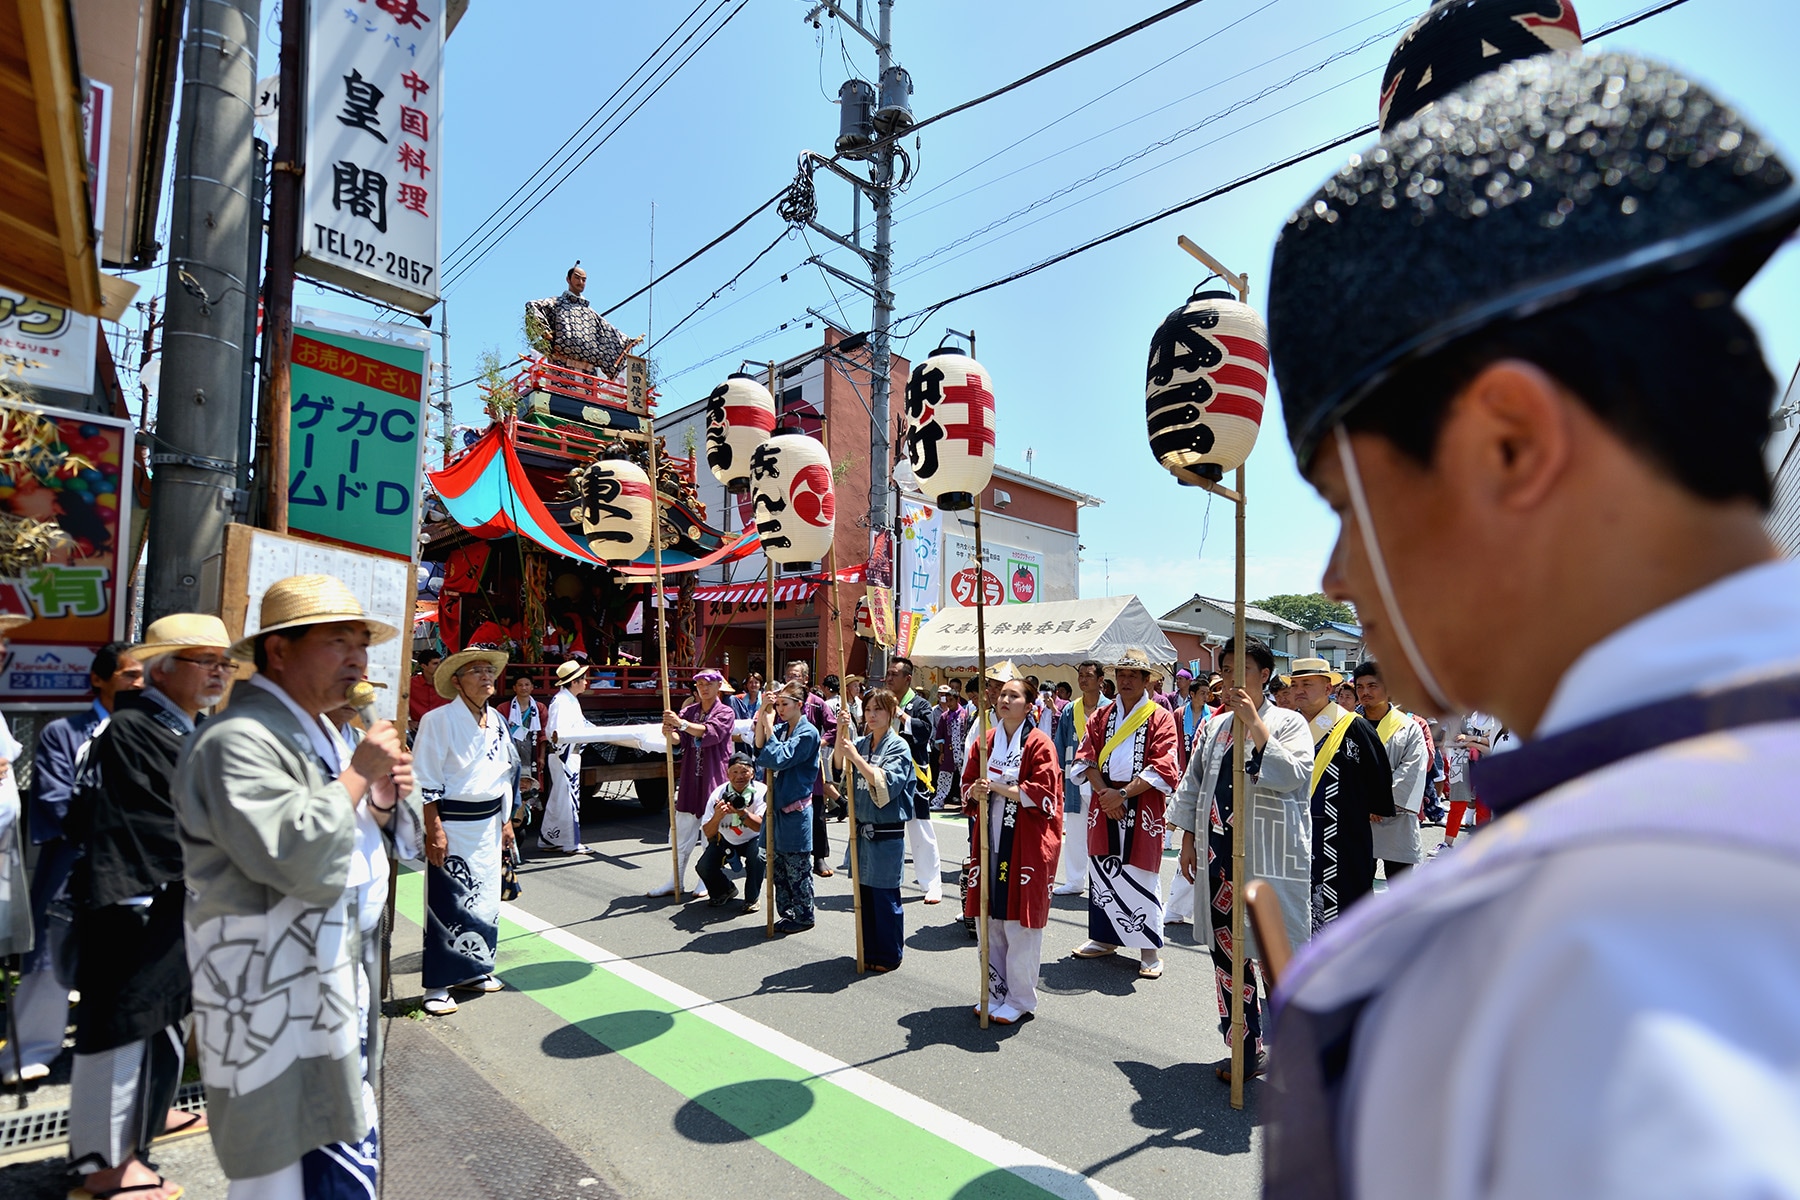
[[487, 492]]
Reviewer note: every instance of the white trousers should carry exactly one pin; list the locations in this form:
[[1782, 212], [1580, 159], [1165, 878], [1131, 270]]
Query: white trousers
[[43, 1007], [1075, 847], [1014, 953], [687, 840], [928, 866]]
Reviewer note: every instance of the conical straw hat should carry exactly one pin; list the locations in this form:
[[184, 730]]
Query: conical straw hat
[[302, 600]]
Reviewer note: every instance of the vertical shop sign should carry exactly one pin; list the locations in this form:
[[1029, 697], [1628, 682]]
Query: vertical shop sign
[[353, 470], [374, 91]]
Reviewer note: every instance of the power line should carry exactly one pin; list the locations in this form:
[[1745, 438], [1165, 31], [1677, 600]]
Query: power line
[[579, 131], [460, 270], [721, 288], [696, 254]]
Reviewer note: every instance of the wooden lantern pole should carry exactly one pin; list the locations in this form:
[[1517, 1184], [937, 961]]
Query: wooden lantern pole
[[981, 816], [769, 812], [1240, 792], [845, 728], [662, 656]]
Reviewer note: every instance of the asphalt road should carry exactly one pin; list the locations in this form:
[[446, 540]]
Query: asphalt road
[[679, 1052]]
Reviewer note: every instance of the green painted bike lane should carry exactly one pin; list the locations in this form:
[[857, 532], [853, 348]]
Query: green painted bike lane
[[848, 1143]]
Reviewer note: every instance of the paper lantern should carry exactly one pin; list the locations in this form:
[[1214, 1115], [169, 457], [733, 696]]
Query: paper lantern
[[1458, 41], [1208, 374], [612, 501], [740, 415], [795, 503], [950, 427]]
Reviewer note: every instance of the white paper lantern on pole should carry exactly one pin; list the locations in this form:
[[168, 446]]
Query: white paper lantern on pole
[[795, 502], [1206, 380], [613, 503], [950, 427], [740, 415]]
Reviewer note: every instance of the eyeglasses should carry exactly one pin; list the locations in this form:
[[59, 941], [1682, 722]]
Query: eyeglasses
[[217, 666]]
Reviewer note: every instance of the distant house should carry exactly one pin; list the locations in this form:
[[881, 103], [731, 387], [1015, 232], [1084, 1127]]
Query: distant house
[[1200, 625], [1340, 644], [1783, 456]]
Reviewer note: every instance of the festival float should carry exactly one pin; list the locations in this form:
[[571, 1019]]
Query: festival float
[[538, 537]]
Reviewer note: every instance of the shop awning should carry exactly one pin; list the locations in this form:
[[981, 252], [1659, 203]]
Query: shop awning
[[798, 587], [46, 226], [1057, 633]]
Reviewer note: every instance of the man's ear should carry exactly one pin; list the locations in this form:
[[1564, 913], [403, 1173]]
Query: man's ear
[[1510, 432]]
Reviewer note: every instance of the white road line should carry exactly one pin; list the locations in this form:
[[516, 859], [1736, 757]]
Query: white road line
[[1004, 1153]]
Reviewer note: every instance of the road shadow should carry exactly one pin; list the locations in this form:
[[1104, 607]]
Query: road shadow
[[1184, 1107], [541, 976], [751, 932], [1071, 976], [953, 1025], [1024, 1183], [933, 939], [608, 1033], [739, 1112], [825, 977]]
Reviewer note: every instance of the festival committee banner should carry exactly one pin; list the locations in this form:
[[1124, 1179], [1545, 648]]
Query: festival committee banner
[[354, 450], [373, 187], [65, 521]]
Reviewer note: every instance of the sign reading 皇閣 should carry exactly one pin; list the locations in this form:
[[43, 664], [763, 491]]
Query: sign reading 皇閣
[[373, 96], [353, 439]]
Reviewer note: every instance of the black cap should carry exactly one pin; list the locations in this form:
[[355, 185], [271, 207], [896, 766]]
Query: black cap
[[1458, 41], [740, 759], [1547, 180]]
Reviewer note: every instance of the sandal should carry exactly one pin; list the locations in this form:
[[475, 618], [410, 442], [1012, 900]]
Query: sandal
[[176, 1191], [1151, 970], [192, 1127], [481, 983], [1092, 949], [439, 1006]]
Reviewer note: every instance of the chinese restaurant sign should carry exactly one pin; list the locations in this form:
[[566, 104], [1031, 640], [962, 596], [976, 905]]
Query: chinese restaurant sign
[[353, 439], [63, 485], [374, 78]]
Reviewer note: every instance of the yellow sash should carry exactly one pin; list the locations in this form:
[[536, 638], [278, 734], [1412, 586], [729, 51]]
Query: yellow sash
[[1323, 751], [1127, 729], [1391, 724]]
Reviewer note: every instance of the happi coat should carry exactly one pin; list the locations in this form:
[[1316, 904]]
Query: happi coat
[[278, 943], [1396, 838], [1351, 781], [703, 758], [1278, 845], [466, 771], [1152, 754], [1029, 842], [882, 812], [1617, 951], [561, 824]]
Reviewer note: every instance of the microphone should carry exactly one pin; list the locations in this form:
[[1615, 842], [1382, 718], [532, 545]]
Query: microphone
[[362, 699]]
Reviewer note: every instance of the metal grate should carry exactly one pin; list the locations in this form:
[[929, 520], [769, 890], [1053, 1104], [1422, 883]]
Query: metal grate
[[38, 1127]]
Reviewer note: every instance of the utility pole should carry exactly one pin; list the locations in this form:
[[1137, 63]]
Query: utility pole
[[443, 406], [892, 118], [196, 449]]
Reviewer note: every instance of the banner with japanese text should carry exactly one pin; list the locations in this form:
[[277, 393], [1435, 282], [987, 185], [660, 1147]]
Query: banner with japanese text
[[374, 83], [918, 586], [354, 446], [1012, 575], [65, 547], [46, 345]]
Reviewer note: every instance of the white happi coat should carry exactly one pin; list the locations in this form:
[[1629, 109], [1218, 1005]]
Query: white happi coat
[[1397, 837], [1611, 1007], [561, 826]]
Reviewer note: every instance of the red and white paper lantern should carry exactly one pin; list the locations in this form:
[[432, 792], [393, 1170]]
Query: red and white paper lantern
[[613, 502], [1206, 380], [795, 502], [740, 415], [950, 428]]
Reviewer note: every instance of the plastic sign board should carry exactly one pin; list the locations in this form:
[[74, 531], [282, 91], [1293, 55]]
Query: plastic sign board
[[374, 90], [1014, 576], [354, 446], [44, 345], [71, 471]]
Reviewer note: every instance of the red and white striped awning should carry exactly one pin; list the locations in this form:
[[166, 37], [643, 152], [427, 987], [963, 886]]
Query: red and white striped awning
[[800, 587]]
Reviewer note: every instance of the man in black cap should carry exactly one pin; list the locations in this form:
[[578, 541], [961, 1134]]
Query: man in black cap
[[1510, 360]]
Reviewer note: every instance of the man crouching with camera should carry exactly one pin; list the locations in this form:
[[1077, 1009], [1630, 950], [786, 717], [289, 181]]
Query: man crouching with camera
[[733, 825]]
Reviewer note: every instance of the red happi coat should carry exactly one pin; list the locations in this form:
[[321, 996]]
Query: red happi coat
[[1155, 745], [1029, 850]]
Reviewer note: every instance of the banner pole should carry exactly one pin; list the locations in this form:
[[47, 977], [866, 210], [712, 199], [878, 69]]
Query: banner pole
[[662, 657], [981, 817], [769, 681]]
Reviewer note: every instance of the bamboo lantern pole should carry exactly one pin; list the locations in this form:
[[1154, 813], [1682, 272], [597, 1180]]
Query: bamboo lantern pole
[[662, 656], [845, 728], [769, 682], [981, 815]]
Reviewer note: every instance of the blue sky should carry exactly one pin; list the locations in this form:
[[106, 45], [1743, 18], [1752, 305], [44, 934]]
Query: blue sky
[[1066, 347]]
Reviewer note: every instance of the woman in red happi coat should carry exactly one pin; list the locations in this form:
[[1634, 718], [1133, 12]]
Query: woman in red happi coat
[[1023, 786]]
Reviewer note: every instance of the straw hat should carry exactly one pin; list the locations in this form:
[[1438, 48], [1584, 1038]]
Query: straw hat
[[1136, 660], [444, 678], [1004, 671], [1314, 666], [12, 621], [301, 600], [568, 671], [180, 631]]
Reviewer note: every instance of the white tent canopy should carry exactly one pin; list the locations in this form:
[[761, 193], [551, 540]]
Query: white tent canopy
[[1058, 633]]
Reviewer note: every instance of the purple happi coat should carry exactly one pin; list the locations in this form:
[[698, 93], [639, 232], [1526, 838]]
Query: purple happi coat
[[703, 758]]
